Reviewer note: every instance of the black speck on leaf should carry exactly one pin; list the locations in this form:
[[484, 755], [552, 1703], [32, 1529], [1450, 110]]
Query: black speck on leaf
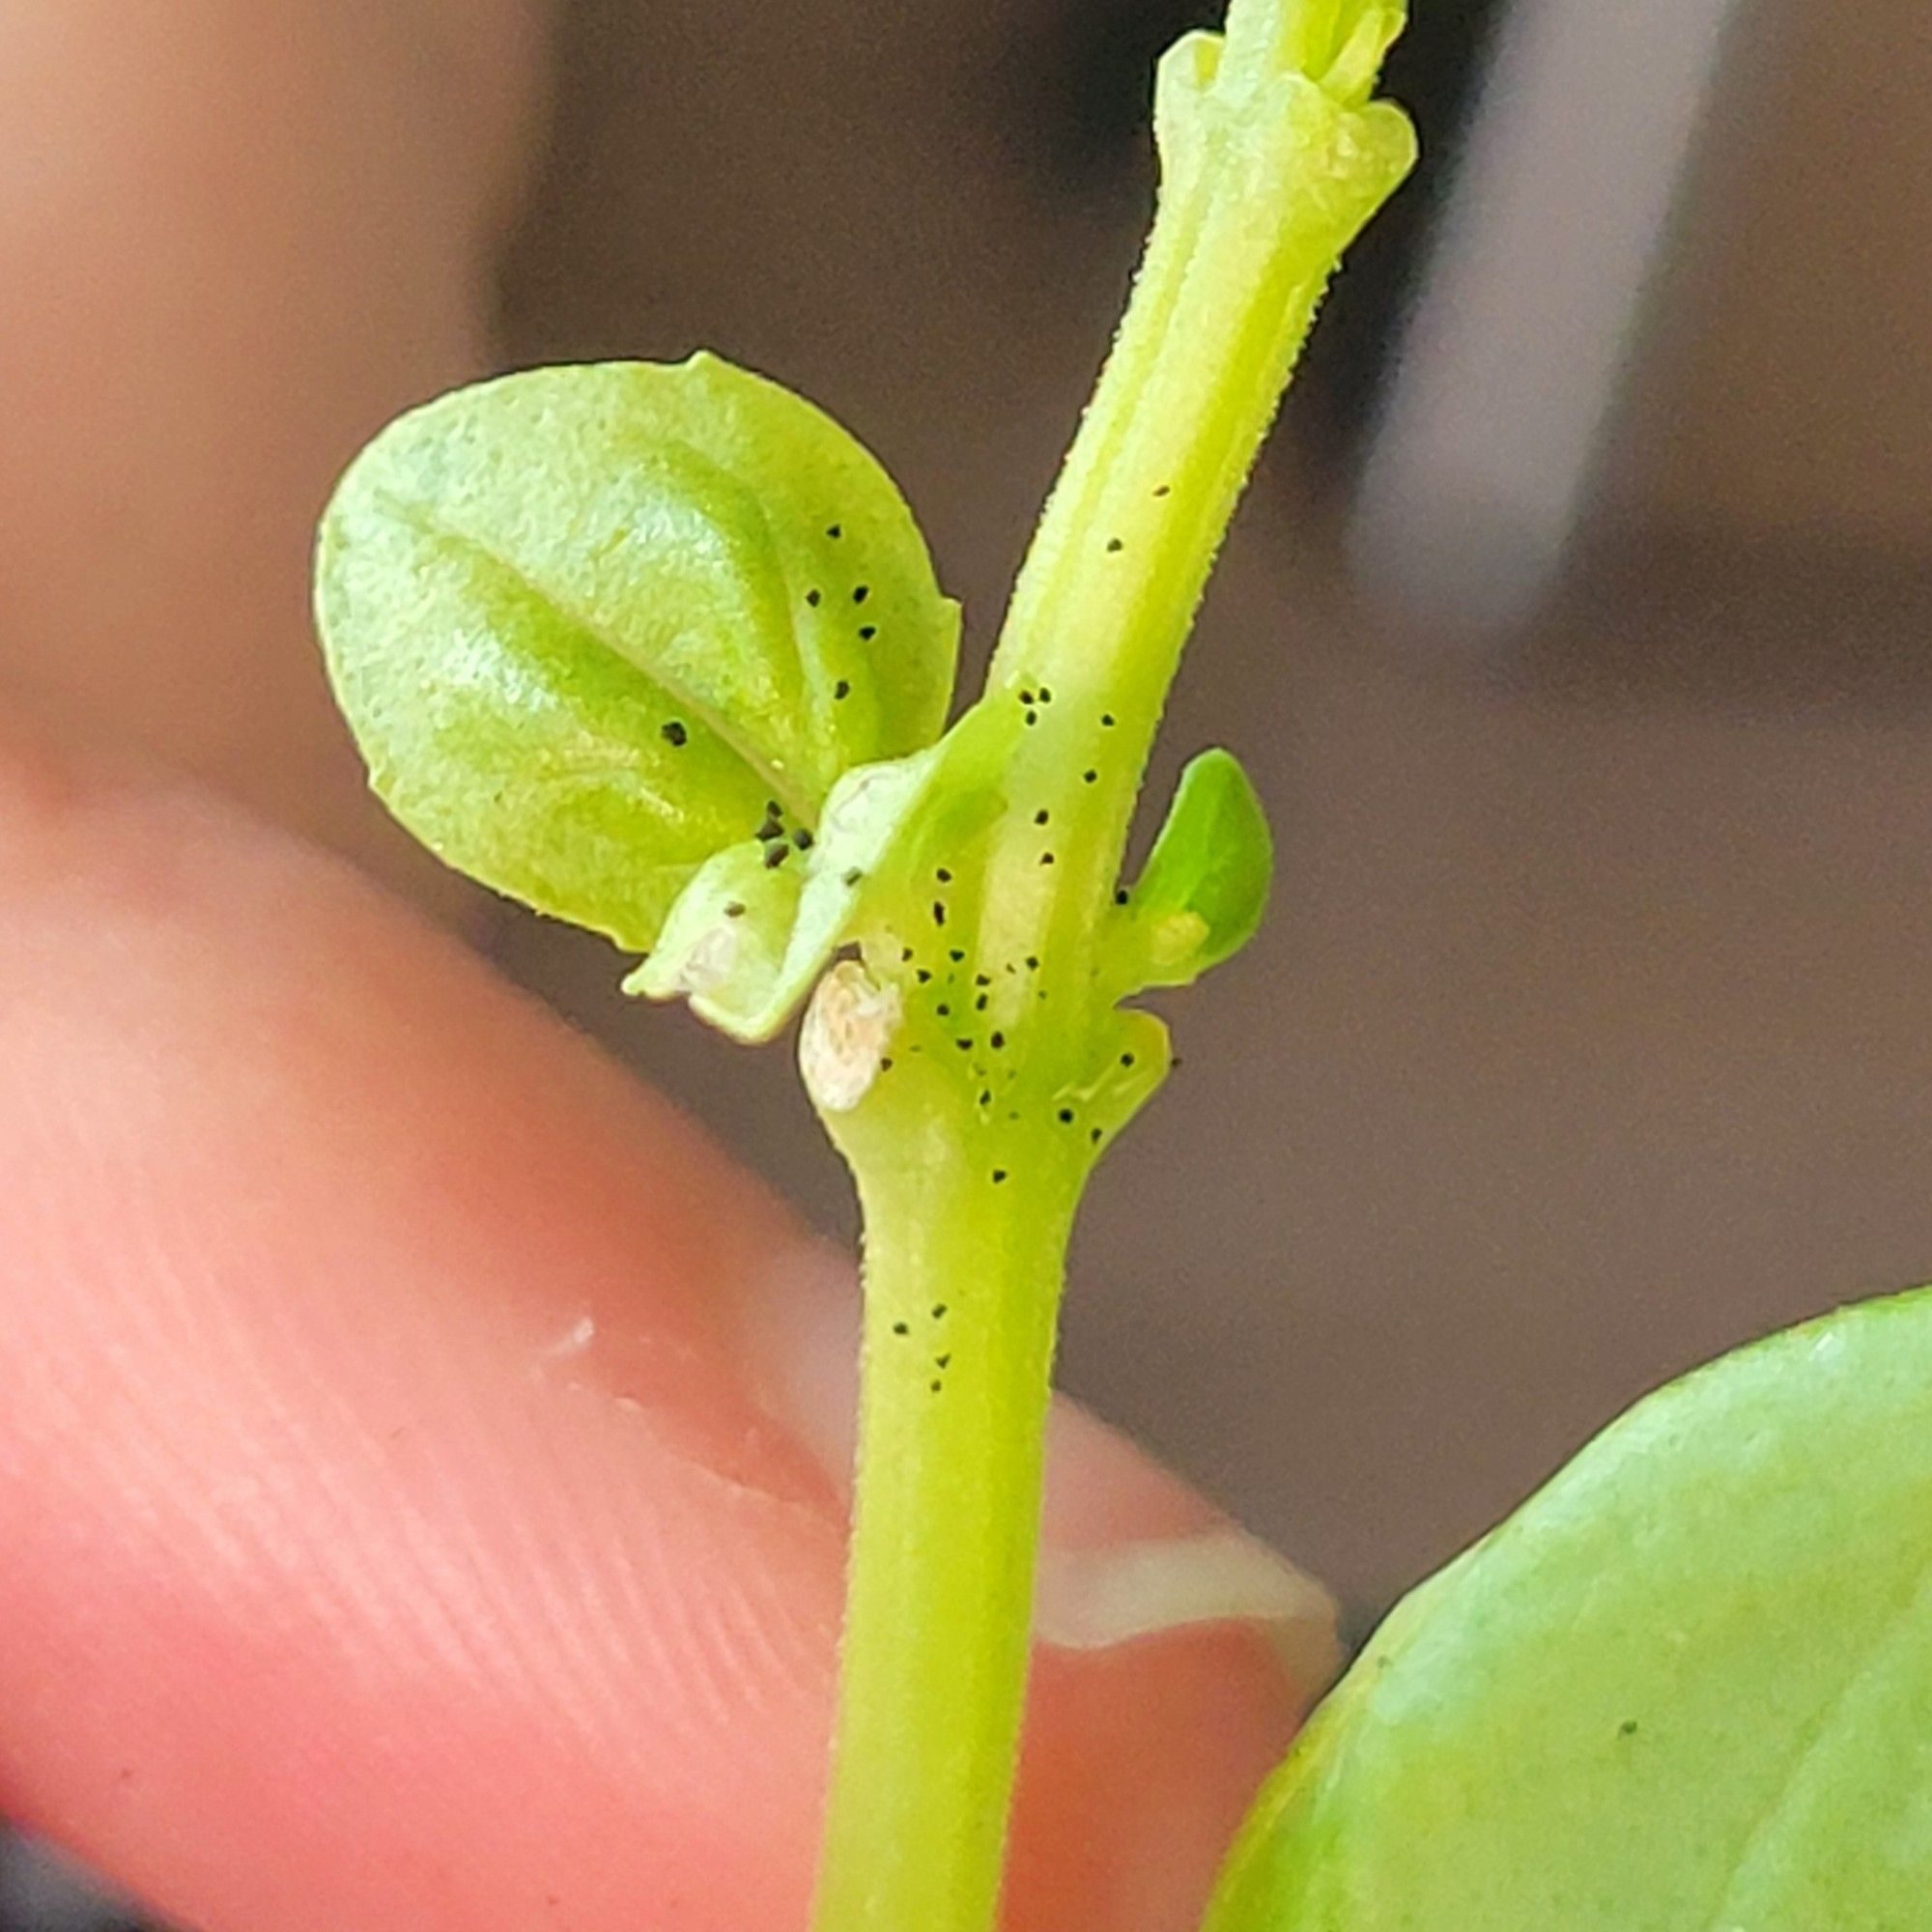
[[1119, 895], [676, 735], [901, 1328], [1041, 817], [1126, 1060], [957, 957], [939, 912], [1067, 1117], [735, 909], [1046, 858], [860, 592], [801, 838], [835, 531], [867, 632], [944, 877], [999, 1175], [1115, 544], [842, 691], [1092, 777], [775, 856], [942, 1361], [815, 598], [997, 1041]]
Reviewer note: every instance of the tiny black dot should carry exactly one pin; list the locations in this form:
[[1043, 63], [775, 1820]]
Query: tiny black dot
[[944, 877], [675, 734], [939, 1312], [1046, 858], [886, 1064], [775, 856], [924, 977], [1126, 1060], [964, 1046], [842, 691], [957, 957], [773, 808], [1094, 1136], [1033, 962], [980, 979], [1107, 720], [1092, 777], [936, 1386], [999, 1175], [815, 598], [905, 955], [1120, 895], [944, 1011], [1045, 696], [942, 1361], [852, 877], [860, 592], [801, 838], [1025, 697], [1041, 817], [1067, 1117], [1033, 717], [901, 1328], [985, 1096], [1115, 544], [835, 531], [1165, 489], [997, 1041], [980, 1005], [939, 912], [735, 909], [867, 632]]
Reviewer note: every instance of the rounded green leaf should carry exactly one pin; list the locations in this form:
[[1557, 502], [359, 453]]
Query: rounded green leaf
[[592, 625], [1687, 1688], [1205, 885]]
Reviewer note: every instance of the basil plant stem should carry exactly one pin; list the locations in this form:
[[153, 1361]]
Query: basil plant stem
[[1009, 1064], [659, 649]]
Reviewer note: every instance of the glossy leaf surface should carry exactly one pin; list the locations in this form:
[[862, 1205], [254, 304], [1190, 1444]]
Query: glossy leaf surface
[[592, 625], [1687, 1688], [1205, 885]]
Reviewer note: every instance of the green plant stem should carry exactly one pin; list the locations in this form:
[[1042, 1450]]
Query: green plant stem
[[962, 1288], [1268, 176]]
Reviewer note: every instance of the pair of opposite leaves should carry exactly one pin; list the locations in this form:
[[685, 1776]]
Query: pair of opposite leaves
[[660, 650], [598, 630]]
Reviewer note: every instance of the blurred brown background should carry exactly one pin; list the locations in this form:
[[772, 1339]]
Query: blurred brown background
[[1577, 633]]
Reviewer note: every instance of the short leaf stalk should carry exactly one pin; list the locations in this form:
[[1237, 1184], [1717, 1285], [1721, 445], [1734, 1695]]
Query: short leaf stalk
[[1011, 1066], [659, 649]]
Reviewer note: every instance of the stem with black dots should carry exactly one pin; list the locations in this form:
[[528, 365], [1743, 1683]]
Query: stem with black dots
[[1013, 1063]]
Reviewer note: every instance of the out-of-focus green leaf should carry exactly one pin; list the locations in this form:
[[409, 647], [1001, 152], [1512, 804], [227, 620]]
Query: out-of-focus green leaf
[[592, 626], [1687, 1688]]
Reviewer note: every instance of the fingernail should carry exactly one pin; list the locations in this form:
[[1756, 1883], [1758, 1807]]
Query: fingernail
[[1130, 1552]]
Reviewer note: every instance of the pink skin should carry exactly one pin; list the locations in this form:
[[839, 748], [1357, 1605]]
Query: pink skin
[[349, 1577]]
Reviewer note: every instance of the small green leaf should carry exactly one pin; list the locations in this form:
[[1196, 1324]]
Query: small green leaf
[[1687, 1688], [747, 938], [1206, 886], [590, 625]]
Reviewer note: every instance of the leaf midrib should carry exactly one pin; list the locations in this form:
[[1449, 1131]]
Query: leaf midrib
[[435, 529]]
